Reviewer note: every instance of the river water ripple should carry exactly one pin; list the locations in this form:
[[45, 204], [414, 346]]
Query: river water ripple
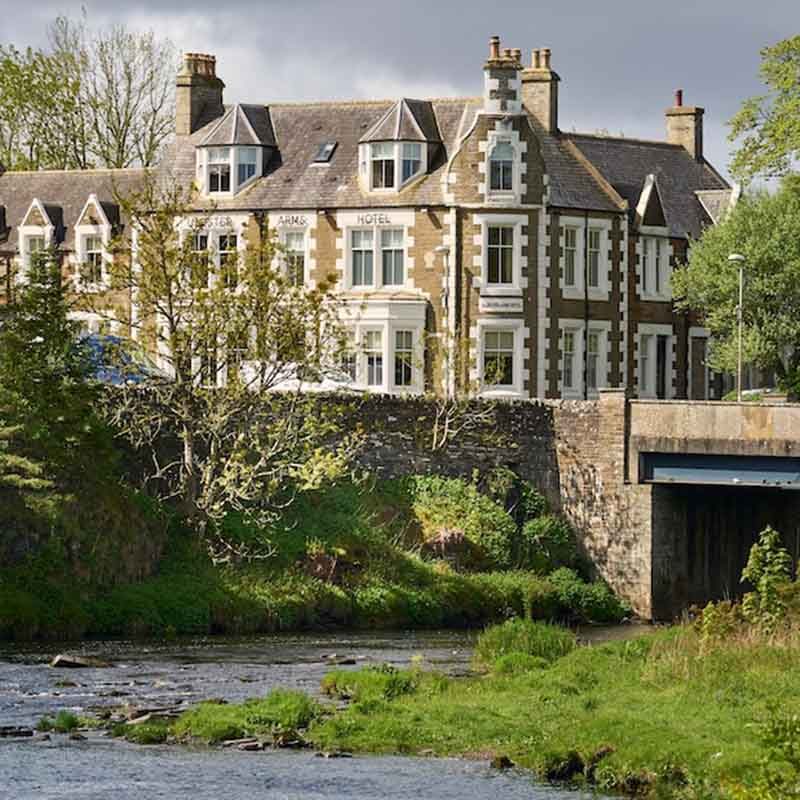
[[152, 675]]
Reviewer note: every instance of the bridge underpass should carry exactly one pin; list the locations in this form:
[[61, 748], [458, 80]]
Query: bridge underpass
[[708, 516], [718, 474]]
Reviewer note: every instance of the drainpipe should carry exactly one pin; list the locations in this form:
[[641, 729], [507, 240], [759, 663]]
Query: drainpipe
[[586, 305], [450, 303]]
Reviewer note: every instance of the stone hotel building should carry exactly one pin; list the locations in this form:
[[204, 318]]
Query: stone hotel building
[[538, 259]]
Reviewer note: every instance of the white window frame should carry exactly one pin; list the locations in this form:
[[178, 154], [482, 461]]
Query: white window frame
[[578, 327], [235, 152], [517, 327], [396, 351], [377, 257], [27, 232], [578, 224], [518, 283], [653, 330], [649, 267], [365, 159], [284, 235], [503, 133]]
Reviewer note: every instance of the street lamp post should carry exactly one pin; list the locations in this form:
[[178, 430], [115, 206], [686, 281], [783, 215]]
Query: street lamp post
[[738, 258]]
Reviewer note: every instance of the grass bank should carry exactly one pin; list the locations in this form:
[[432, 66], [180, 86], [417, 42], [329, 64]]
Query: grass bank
[[671, 714], [360, 556]]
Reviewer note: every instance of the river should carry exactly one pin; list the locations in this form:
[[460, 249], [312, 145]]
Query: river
[[157, 674]]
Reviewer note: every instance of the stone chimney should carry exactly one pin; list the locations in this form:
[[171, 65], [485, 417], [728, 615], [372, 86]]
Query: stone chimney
[[198, 93], [540, 90], [501, 93], [685, 126]]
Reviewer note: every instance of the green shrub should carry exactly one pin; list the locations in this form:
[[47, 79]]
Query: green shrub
[[545, 544], [284, 709], [518, 663], [450, 503], [768, 569], [532, 503], [64, 722], [523, 636], [589, 602], [383, 682], [146, 733]]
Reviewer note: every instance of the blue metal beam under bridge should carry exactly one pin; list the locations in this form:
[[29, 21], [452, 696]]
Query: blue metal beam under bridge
[[777, 472]]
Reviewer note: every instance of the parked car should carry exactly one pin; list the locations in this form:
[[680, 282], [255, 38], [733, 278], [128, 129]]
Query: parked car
[[118, 361]]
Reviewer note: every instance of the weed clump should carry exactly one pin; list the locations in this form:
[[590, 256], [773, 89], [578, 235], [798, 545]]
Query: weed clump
[[525, 637]]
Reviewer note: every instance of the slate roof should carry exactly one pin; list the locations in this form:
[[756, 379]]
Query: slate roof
[[293, 181], [626, 163], [585, 172], [408, 120], [241, 125], [64, 195]]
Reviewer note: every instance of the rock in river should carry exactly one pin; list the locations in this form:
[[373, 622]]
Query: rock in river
[[76, 662]]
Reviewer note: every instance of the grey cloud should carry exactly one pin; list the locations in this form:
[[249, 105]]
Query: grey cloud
[[619, 61]]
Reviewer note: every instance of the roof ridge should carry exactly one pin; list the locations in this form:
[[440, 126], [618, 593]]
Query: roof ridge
[[631, 139], [393, 101], [71, 171]]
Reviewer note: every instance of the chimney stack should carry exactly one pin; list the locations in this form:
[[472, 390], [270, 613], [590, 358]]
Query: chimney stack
[[685, 126], [198, 93], [540, 90], [501, 94]]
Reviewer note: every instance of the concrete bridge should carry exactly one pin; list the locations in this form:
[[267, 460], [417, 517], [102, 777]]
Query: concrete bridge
[[684, 489]]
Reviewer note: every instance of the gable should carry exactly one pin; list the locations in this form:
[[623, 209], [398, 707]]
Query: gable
[[650, 209], [36, 216]]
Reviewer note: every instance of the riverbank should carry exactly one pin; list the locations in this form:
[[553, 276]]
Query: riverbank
[[358, 556], [670, 714]]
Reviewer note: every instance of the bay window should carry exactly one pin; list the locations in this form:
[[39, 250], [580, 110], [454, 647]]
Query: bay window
[[500, 254]]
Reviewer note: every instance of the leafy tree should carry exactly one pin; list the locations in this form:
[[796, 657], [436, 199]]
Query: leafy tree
[[769, 125], [50, 437], [91, 98], [765, 228], [229, 329]]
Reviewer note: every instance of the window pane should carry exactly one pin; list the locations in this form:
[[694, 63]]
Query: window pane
[[402, 358], [498, 358]]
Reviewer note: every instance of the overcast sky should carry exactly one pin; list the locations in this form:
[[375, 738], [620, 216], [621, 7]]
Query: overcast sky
[[619, 60]]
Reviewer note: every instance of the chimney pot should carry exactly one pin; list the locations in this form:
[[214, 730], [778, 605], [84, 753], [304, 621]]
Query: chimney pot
[[535, 59], [494, 47], [517, 54], [507, 52], [678, 98], [545, 58]]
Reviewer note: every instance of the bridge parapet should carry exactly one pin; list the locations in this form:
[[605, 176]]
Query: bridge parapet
[[711, 428]]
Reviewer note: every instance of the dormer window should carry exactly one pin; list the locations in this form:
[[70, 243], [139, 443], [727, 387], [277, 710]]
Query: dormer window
[[219, 170], [391, 165], [383, 165], [501, 168]]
